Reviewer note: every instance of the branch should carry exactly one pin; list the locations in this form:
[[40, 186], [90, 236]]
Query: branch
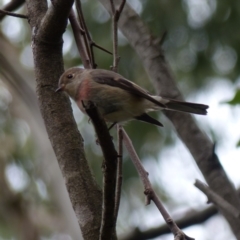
[[85, 34], [48, 26], [82, 48], [13, 14], [89, 43], [119, 172], [109, 166], [150, 193], [189, 219], [115, 17], [221, 204], [11, 6], [54, 22], [108, 223], [196, 141]]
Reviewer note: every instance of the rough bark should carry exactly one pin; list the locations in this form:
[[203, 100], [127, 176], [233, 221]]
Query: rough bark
[[48, 26]]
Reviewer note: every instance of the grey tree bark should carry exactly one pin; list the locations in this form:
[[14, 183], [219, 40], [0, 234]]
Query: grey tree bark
[[48, 25]]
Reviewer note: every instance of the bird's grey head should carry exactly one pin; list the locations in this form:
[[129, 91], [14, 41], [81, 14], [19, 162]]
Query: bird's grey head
[[68, 80]]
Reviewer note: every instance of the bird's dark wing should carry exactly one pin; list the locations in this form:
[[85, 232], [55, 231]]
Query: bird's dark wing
[[116, 80], [146, 118]]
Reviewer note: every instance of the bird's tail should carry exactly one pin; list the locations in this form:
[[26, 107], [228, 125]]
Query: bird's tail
[[188, 107]]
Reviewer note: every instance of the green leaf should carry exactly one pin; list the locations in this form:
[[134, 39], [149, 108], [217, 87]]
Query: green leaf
[[236, 99]]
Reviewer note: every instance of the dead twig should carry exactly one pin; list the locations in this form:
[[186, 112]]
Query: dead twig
[[119, 172], [149, 192], [81, 45]]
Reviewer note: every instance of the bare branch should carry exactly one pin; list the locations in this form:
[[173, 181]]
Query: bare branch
[[86, 36], [109, 166], [119, 172], [189, 219], [115, 17], [13, 14], [11, 6], [121, 8], [149, 192], [89, 43], [101, 48], [112, 7], [221, 204], [77, 30]]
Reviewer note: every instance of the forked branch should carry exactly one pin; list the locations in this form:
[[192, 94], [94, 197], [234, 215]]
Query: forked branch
[[116, 13]]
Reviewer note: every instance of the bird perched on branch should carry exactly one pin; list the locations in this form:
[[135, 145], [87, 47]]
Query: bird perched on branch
[[117, 98]]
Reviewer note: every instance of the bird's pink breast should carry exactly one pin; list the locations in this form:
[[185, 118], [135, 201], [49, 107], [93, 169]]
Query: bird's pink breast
[[84, 90], [83, 94]]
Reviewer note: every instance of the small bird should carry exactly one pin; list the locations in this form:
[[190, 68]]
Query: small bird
[[118, 99]]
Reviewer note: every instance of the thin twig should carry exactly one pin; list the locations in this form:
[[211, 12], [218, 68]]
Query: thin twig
[[79, 41], [121, 8], [217, 200], [119, 172], [89, 43], [101, 48], [13, 14], [86, 35], [115, 44], [10, 7], [190, 218], [115, 17], [148, 190], [112, 7]]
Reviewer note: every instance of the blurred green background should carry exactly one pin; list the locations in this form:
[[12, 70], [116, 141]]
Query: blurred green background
[[202, 48]]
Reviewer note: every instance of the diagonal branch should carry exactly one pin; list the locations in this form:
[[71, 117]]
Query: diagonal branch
[[116, 13], [187, 220], [221, 204], [109, 166], [150, 193], [11, 6], [108, 221], [13, 14]]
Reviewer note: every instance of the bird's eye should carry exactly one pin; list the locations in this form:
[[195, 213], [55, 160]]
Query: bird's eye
[[69, 76]]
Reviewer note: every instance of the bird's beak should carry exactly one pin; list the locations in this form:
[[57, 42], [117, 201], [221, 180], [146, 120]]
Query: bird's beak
[[59, 89]]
